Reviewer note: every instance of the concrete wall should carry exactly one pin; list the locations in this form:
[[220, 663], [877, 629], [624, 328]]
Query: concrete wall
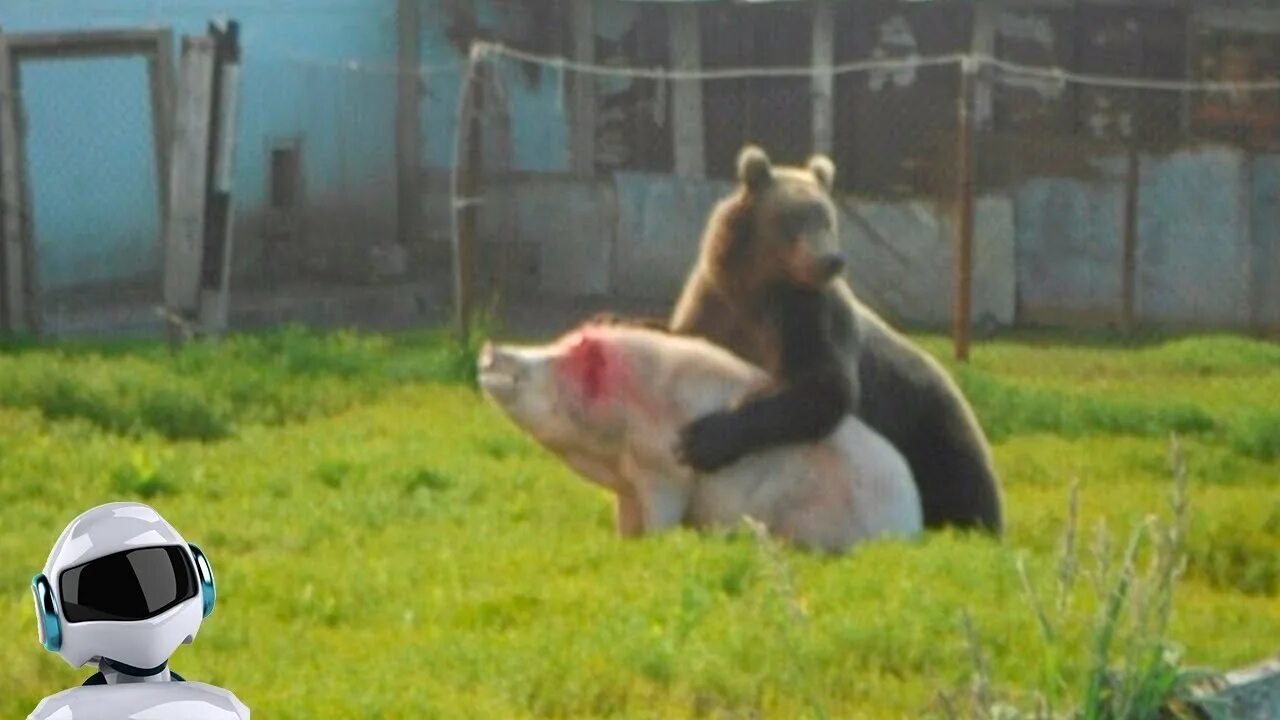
[[902, 259], [1264, 225], [1048, 252], [1069, 240], [540, 140], [1193, 239], [321, 71], [659, 226], [636, 237], [92, 175]]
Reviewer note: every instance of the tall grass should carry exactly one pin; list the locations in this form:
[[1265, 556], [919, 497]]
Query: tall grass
[[1132, 668]]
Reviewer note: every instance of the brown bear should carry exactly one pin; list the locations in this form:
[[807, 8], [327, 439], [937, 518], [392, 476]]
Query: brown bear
[[767, 285], [610, 401]]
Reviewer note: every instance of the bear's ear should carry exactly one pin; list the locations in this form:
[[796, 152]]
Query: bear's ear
[[754, 169], [824, 170]]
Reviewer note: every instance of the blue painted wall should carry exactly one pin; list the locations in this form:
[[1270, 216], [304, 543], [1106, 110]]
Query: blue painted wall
[[93, 180], [1069, 245], [322, 70], [90, 160], [540, 140], [1265, 236], [1193, 238]]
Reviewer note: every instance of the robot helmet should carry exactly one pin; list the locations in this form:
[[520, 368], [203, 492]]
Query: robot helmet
[[121, 585]]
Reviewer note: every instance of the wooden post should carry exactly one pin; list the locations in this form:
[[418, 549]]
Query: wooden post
[[32, 314], [11, 231], [583, 124], [468, 165], [160, 78], [823, 78], [216, 262], [1128, 276], [964, 220], [185, 226], [686, 95], [408, 125]]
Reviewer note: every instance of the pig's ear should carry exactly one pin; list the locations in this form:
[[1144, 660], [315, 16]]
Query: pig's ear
[[585, 363]]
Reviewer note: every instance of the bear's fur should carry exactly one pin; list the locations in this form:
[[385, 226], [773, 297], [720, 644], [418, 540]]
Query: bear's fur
[[611, 400], [767, 287]]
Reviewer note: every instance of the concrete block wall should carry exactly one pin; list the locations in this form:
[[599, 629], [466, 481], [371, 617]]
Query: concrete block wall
[[1069, 240], [902, 259], [659, 227], [1193, 239], [1264, 233], [1049, 251], [636, 237]]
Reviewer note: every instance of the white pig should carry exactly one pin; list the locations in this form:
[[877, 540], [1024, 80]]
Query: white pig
[[610, 400]]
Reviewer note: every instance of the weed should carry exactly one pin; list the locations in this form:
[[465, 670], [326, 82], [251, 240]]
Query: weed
[[142, 477], [1132, 669]]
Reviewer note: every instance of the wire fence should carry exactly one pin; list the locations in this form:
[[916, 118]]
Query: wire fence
[[547, 185], [1098, 200]]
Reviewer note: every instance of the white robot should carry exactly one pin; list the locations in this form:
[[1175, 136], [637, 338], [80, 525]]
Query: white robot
[[123, 589]]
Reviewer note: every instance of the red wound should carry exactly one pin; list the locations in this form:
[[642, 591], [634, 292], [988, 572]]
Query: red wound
[[587, 362], [603, 371]]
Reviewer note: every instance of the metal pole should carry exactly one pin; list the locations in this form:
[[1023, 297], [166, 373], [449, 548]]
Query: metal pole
[[964, 220], [1130, 250], [466, 168], [408, 125]]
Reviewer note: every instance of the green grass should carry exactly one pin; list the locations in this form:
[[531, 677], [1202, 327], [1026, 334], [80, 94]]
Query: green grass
[[387, 545]]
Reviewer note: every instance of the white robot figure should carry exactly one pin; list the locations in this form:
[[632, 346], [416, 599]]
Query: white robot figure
[[123, 589]]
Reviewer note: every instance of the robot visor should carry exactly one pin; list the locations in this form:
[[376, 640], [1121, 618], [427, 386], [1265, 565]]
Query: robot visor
[[128, 585]]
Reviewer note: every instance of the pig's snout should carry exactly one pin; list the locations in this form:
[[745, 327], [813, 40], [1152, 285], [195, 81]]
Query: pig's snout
[[498, 371]]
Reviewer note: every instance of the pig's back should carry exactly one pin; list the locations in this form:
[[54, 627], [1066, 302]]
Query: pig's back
[[852, 486], [885, 496]]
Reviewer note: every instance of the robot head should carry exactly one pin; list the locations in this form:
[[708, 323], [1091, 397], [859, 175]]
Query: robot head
[[121, 584]]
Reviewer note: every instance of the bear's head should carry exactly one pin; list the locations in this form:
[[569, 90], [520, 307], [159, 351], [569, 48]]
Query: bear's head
[[778, 226]]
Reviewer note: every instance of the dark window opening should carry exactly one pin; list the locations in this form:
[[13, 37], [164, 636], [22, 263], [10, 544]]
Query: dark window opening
[[1035, 38], [286, 177], [895, 127], [1249, 117], [775, 113], [1132, 43], [633, 115]]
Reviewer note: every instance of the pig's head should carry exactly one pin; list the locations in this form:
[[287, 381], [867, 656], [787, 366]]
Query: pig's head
[[574, 395]]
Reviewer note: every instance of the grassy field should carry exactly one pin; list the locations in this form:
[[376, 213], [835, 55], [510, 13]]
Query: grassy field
[[386, 545]]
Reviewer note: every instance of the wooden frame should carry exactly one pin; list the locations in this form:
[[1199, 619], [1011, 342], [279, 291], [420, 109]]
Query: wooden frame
[[184, 229], [156, 46], [13, 257]]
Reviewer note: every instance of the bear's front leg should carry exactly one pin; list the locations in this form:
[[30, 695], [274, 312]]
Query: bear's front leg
[[805, 411], [711, 442]]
